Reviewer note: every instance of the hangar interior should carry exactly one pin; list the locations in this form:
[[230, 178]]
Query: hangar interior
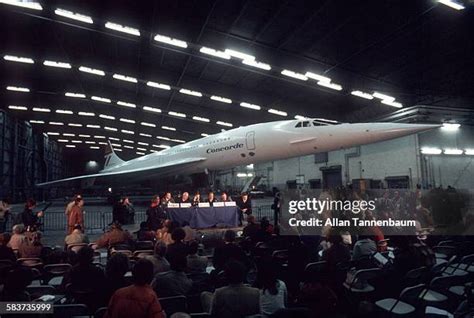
[[150, 75]]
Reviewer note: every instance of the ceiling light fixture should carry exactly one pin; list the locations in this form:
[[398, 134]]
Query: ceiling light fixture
[[122, 28], [171, 41], [74, 16]]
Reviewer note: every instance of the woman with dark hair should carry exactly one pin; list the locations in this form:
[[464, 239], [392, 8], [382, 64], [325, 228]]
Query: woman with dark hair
[[273, 292], [196, 198]]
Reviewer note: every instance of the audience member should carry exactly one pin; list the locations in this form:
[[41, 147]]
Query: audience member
[[76, 237], [252, 229], [6, 253], [160, 263], [16, 281], [164, 234], [228, 251], [115, 270], [337, 252], [234, 300], [155, 214], [28, 217], [191, 233], [144, 233], [196, 263], [4, 214], [177, 249], [173, 282], [364, 247], [139, 299], [273, 293], [18, 237], [116, 235], [32, 247]]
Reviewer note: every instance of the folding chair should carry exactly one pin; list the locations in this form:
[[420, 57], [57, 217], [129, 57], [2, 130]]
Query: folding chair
[[359, 284], [417, 276], [174, 304], [76, 247], [142, 253], [127, 253], [405, 304], [30, 262], [53, 273], [144, 245]]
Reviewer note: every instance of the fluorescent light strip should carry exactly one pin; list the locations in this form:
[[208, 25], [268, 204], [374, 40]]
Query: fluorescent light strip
[[143, 143], [190, 92], [89, 70], [75, 95], [145, 135], [327, 120], [299, 117], [42, 110], [450, 126], [122, 28], [118, 149], [57, 123], [14, 107], [84, 136], [178, 141], [36, 121], [113, 138], [129, 132], [56, 64], [334, 86], [176, 114], [221, 99], [63, 140], [239, 55], [203, 119], [18, 89], [140, 153], [125, 78], [362, 94], [162, 146], [74, 16], [106, 117], [23, 4], [74, 125], [171, 41], [99, 137], [93, 126], [103, 143], [317, 77], [110, 128], [51, 133], [129, 121], [168, 128], [125, 104], [101, 99], [452, 151], [256, 64], [452, 4], [383, 96], [128, 147], [430, 151], [63, 111], [277, 112], [128, 141], [251, 106], [469, 152], [294, 75], [158, 85], [392, 103], [87, 114], [152, 109], [148, 124], [69, 134], [219, 54], [18, 59], [162, 138], [142, 149], [70, 146], [94, 147], [223, 123]]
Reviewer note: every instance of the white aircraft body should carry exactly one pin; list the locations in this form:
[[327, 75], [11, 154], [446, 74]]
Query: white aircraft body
[[245, 145]]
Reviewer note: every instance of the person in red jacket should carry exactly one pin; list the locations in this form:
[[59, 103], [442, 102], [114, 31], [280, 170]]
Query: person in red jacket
[[76, 215], [139, 299]]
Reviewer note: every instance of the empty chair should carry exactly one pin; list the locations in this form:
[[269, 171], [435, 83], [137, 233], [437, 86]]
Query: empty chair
[[174, 304], [436, 294], [142, 253], [444, 251], [144, 245], [417, 276], [40, 290], [466, 263], [405, 304], [359, 282], [72, 310]]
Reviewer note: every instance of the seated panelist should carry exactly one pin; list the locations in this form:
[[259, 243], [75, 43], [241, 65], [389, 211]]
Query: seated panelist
[[225, 197], [185, 198], [211, 198], [196, 198]]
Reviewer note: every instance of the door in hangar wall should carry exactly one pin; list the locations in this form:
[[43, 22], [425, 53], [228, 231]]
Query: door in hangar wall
[[332, 177]]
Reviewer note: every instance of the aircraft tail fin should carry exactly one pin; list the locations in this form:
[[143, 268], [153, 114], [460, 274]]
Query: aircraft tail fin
[[111, 158]]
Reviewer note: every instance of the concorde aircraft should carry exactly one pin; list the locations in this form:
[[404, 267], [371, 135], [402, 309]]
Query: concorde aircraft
[[245, 145]]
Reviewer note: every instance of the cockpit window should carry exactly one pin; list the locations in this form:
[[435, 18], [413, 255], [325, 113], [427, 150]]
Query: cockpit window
[[298, 125], [306, 124]]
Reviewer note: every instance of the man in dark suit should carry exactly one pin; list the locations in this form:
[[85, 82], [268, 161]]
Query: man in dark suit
[[211, 198], [185, 198], [245, 206]]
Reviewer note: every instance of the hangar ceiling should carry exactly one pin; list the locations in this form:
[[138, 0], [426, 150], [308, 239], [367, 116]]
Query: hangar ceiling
[[131, 70]]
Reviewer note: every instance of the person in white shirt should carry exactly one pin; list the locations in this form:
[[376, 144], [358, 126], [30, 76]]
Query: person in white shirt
[[273, 292]]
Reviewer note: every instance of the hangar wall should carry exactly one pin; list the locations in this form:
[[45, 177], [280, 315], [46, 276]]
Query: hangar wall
[[390, 162]]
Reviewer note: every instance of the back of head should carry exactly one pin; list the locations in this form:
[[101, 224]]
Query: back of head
[[30, 203], [178, 235], [234, 272], [78, 228], [18, 228], [142, 272], [229, 236], [85, 255], [117, 266], [193, 247]]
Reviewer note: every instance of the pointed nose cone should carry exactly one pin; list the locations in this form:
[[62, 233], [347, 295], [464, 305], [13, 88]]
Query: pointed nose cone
[[395, 130]]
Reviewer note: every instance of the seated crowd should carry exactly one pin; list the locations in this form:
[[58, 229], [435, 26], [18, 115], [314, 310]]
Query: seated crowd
[[167, 269]]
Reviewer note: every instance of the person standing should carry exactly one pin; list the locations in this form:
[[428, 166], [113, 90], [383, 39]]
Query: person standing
[[70, 205], [155, 214], [4, 214], [245, 206], [28, 217], [76, 215]]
